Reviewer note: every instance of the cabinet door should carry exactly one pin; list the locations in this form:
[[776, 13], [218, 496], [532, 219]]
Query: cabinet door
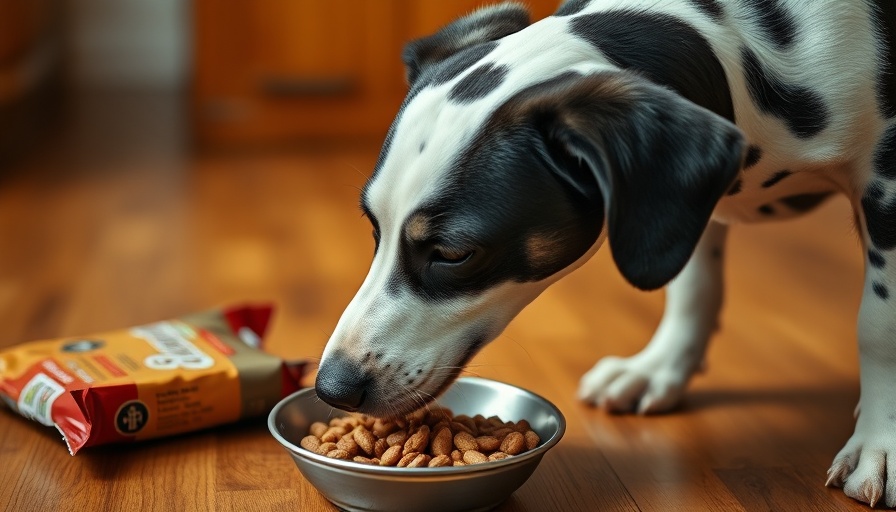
[[270, 71], [279, 70]]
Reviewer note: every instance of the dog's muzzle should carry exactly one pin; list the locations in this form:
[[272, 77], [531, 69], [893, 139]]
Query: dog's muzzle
[[342, 383]]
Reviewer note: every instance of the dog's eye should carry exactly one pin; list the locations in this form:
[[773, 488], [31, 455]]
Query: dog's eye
[[450, 256]]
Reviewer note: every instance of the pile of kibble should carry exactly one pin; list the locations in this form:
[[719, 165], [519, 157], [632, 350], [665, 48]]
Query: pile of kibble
[[427, 438]]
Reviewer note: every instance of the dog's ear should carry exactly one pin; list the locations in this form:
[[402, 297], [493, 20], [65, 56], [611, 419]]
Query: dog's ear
[[660, 162], [486, 24]]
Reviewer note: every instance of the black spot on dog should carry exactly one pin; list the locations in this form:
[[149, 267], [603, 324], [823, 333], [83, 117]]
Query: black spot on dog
[[876, 259], [456, 64], [436, 74], [880, 218], [805, 202], [754, 154], [422, 146], [800, 108], [885, 154], [711, 8], [664, 49], [766, 209], [570, 7], [880, 290], [875, 191], [885, 22], [777, 23], [478, 83], [775, 178], [738, 185], [484, 25]]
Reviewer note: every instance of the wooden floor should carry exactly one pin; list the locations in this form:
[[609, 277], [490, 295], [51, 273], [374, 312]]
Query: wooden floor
[[114, 224]]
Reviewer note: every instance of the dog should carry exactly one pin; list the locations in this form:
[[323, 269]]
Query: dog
[[521, 147]]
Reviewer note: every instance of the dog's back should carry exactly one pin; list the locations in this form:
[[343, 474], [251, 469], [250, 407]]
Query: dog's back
[[811, 84]]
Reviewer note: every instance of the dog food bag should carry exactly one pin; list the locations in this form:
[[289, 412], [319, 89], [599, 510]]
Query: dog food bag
[[155, 380]]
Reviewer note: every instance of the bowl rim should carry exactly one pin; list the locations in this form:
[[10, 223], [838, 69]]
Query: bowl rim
[[355, 467]]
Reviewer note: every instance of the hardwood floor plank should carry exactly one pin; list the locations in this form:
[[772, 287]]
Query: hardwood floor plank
[[268, 500], [173, 474], [248, 459], [776, 488]]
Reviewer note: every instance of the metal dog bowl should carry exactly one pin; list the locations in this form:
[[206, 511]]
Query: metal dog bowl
[[357, 487]]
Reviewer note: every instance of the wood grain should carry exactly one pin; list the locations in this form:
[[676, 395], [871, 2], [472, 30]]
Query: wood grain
[[115, 223]]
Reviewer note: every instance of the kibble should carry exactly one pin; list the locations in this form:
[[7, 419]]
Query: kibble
[[326, 448], [311, 443], [318, 429], [440, 461], [442, 443], [417, 442], [364, 439], [426, 438], [397, 438], [513, 444], [391, 456], [338, 454], [406, 459], [488, 443], [348, 445], [380, 447], [532, 439], [474, 457], [465, 442]]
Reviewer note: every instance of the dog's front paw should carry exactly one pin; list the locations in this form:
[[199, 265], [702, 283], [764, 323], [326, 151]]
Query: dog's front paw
[[866, 467], [634, 384]]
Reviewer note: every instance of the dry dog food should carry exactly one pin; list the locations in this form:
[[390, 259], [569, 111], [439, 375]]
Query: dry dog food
[[431, 437], [160, 379]]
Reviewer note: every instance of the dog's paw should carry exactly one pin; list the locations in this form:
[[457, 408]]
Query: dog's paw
[[633, 384], [866, 467]]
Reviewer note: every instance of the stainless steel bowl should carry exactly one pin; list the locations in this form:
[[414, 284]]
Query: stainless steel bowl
[[356, 487]]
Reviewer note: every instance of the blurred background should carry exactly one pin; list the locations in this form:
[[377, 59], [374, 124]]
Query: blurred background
[[261, 73]]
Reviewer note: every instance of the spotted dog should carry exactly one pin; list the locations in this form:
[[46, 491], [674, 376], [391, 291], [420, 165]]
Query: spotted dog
[[655, 124]]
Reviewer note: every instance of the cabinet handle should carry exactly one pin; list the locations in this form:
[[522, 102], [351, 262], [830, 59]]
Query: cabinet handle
[[293, 87]]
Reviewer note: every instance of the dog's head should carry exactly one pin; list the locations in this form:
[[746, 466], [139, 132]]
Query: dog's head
[[490, 188]]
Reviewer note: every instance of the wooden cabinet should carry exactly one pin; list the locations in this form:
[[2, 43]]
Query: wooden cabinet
[[275, 71], [30, 70]]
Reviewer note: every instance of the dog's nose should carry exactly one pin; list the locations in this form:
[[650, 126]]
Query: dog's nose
[[341, 383]]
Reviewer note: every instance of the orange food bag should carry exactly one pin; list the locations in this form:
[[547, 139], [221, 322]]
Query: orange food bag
[[160, 379]]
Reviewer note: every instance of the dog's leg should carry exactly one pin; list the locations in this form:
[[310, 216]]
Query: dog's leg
[[866, 466], [654, 379]]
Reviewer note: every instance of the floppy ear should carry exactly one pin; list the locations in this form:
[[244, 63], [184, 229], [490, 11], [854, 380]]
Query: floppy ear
[[661, 162], [486, 24]]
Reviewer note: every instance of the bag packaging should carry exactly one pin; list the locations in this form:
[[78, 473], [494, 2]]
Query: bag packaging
[[155, 380]]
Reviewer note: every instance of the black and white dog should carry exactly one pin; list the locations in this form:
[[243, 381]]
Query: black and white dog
[[655, 123]]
